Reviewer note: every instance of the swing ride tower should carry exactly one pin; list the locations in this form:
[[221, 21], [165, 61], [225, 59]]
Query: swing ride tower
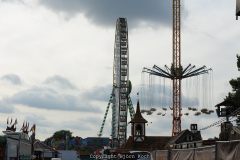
[[176, 72], [176, 128], [120, 96]]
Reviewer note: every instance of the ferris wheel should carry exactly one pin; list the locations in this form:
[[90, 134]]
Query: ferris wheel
[[120, 96]]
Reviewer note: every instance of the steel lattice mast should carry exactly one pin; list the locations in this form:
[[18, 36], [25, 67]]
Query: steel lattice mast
[[176, 72], [177, 65]]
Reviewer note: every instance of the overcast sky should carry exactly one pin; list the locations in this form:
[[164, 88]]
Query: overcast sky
[[56, 58]]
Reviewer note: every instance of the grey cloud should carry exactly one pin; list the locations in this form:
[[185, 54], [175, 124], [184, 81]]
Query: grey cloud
[[91, 120], [47, 98], [39, 120], [6, 108], [11, 1], [12, 78], [60, 82], [42, 122], [78, 125], [105, 12], [98, 93]]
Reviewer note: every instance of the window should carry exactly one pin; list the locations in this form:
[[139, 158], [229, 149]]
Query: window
[[139, 130], [189, 138]]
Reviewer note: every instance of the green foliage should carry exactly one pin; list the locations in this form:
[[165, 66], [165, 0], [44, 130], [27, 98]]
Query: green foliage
[[48, 139], [37, 140], [60, 135], [234, 96], [238, 62]]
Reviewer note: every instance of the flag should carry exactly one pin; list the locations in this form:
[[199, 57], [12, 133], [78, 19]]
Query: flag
[[8, 120], [11, 121], [21, 128], [32, 129], [15, 122], [28, 125], [25, 128]]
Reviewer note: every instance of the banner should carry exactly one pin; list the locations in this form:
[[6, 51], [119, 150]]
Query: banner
[[159, 155], [182, 154], [94, 142], [228, 150], [205, 153], [82, 146]]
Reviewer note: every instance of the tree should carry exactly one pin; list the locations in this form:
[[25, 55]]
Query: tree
[[37, 140], [60, 135], [234, 96]]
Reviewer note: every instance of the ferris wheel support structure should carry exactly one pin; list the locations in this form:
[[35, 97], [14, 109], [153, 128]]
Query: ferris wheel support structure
[[120, 81]]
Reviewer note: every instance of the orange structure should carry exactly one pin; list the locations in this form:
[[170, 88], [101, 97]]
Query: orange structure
[[177, 65], [176, 72]]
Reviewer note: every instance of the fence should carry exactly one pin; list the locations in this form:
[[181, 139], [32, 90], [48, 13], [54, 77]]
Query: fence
[[223, 150]]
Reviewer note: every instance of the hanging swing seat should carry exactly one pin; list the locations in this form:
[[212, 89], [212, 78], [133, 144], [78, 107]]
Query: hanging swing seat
[[181, 114], [171, 114], [171, 108], [159, 113], [194, 109], [164, 109], [197, 113], [164, 114], [207, 113], [143, 110], [186, 114], [149, 113], [204, 110], [153, 109], [211, 111], [189, 108]]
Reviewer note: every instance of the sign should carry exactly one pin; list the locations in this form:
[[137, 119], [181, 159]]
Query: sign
[[97, 141]]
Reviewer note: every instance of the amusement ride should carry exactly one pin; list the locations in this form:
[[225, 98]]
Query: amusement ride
[[176, 73], [198, 84], [120, 97]]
